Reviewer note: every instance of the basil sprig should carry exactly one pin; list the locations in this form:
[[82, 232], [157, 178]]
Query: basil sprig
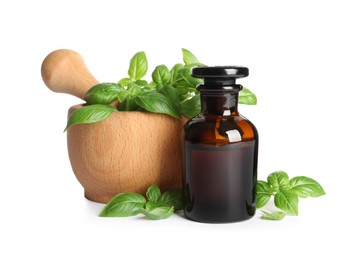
[[286, 193], [171, 92], [158, 206]]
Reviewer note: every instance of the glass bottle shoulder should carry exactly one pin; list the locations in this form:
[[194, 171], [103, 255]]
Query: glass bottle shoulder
[[220, 130]]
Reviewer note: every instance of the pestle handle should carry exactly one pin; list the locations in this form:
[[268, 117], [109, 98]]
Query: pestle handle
[[65, 71]]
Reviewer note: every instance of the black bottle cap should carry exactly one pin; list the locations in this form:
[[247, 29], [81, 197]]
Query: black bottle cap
[[220, 75]]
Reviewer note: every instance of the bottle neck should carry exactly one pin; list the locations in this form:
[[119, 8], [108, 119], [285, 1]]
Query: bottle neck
[[219, 102]]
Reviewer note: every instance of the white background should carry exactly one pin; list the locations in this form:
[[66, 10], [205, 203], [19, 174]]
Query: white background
[[306, 60]]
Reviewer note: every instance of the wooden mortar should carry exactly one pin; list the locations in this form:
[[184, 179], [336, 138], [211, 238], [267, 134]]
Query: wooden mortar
[[127, 152]]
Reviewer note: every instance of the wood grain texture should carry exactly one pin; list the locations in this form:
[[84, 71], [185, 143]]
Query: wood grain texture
[[64, 71], [127, 152]]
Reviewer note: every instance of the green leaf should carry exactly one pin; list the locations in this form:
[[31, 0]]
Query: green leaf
[[142, 83], [287, 201], [247, 97], [191, 107], [306, 187], [161, 75], [157, 103], [174, 72], [274, 215], [153, 193], [171, 198], [186, 75], [183, 91], [124, 205], [150, 205], [89, 114], [128, 104], [125, 82], [152, 84], [279, 180], [138, 66], [103, 93], [182, 83], [263, 193], [158, 87], [127, 98], [158, 213], [122, 97], [188, 57], [134, 89], [171, 93]]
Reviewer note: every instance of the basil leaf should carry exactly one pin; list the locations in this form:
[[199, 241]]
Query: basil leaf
[[134, 89], [124, 205], [273, 216], [161, 75], [287, 201], [182, 83], [306, 187], [191, 107], [128, 104], [103, 93], [158, 87], [150, 205], [279, 180], [158, 213], [182, 91], [152, 84], [186, 75], [138, 66], [157, 103], [247, 97], [125, 82], [142, 83], [171, 198], [174, 72], [188, 57], [153, 193], [263, 193], [171, 93], [127, 98], [89, 114], [122, 97]]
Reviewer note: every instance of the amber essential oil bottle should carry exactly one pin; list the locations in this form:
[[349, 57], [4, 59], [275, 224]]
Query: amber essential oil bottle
[[220, 152]]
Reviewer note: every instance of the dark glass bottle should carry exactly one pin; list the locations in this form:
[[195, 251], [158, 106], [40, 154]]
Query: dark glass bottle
[[220, 152]]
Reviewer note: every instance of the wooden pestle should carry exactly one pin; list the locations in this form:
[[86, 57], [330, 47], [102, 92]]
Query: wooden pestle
[[65, 71]]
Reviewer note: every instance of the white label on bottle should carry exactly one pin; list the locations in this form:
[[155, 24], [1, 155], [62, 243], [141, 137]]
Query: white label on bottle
[[234, 136]]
